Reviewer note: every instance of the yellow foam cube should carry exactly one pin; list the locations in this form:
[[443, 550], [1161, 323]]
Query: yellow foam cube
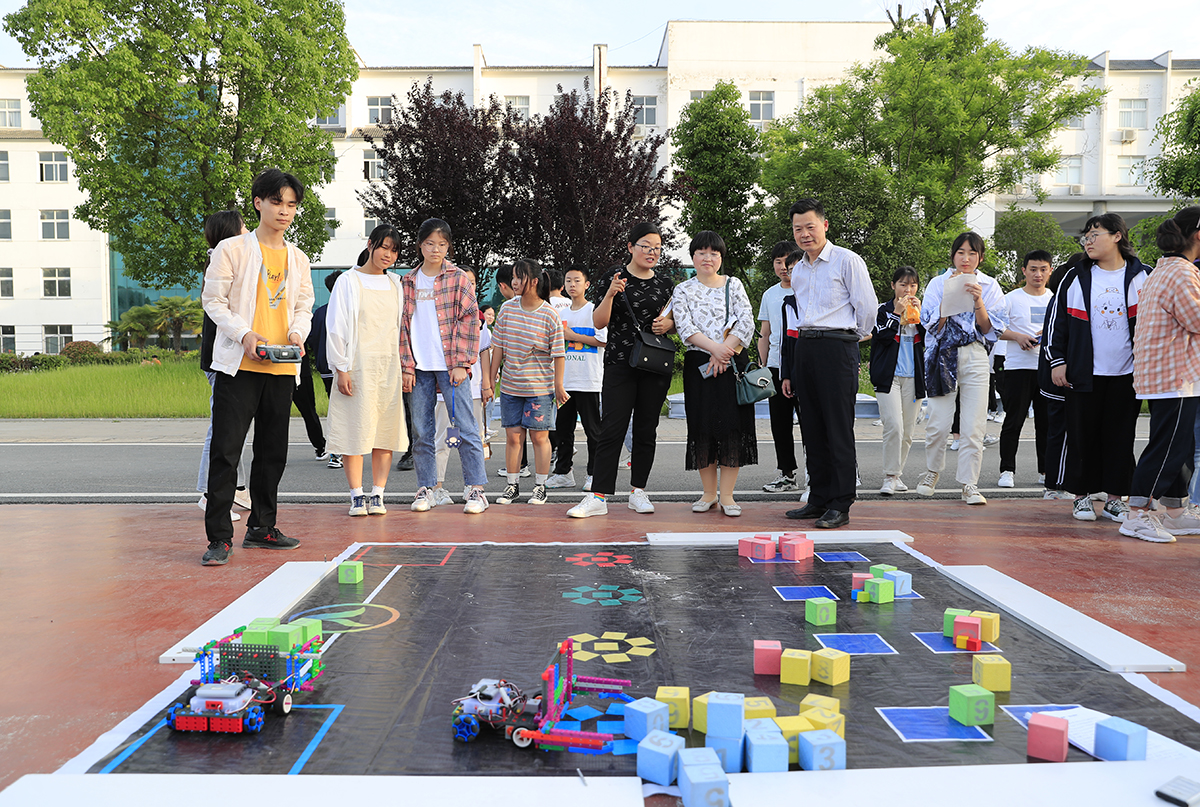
[[814, 701], [831, 666], [678, 700], [791, 726], [759, 707], [825, 719], [700, 712], [960, 641], [795, 667], [993, 673], [989, 625]]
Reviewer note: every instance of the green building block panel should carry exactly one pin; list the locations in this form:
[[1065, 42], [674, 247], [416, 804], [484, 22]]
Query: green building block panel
[[881, 590], [285, 637], [948, 620], [972, 705], [879, 569], [350, 571], [820, 611]]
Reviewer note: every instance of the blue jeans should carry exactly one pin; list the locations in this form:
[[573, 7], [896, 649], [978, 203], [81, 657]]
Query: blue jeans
[[424, 421]]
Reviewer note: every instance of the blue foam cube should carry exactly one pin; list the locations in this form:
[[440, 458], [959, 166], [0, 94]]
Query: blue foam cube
[[708, 786], [821, 750], [644, 716], [761, 724], [690, 758], [766, 751], [729, 750], [901, 580], [1118, 739], [658, 757], [727, 714]]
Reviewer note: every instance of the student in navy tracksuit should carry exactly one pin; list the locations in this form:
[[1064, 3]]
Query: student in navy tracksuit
[[898, 374]]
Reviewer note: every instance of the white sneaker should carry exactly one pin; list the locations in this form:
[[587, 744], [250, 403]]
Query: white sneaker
[[781, 484], [1006, 480], [358, 505], [502, 471], [900, 486], [1041, 479], [1082, 510], [1100, 497], [423, 501], [566, 480], [927, 484], [955, 443], [640, 502], [1056, 494], [889, 486], [375, 506], [971, 495], [587, 484], [626, 462], [804, 495], [204, 506], [991, 439], [1144, 525], [1117, 510], [242, 498], [1186, 523], [590, 506], [442, 496], [476, 502]]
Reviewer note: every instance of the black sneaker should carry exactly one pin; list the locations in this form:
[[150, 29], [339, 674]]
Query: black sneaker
[[268, 539], [217, 554], [406, 462], [539, 495], [510, 494], [335, 461]]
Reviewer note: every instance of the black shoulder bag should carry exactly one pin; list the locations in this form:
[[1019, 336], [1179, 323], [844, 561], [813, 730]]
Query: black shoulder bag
[[651, 352]]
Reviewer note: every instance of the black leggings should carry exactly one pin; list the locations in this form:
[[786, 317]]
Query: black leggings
[[628, 393]]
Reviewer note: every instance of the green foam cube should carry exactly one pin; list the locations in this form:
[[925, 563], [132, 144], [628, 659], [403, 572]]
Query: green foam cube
[[948, 620], [350, 571], [285, 637], [972, 705], [312, 627], [881, 590], [880, 569], [256, 632], [820, 611]]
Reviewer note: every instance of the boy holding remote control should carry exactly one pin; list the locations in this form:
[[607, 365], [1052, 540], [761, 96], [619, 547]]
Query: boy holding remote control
[[258, 291]]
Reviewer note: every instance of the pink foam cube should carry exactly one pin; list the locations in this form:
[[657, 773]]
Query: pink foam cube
[[767, 655], [801, 547], [762, 549], [859, 580], [969, 626], [1047, 737], [744, 545]]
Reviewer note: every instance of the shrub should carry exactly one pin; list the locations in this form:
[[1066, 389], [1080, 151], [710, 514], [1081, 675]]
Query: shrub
[[81, 352]]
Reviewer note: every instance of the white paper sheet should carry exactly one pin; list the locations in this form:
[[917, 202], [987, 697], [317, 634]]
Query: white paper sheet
[[955, 299], [1082, 735]]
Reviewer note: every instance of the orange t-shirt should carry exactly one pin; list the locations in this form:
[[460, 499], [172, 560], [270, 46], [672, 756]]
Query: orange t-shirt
[[271, 322]]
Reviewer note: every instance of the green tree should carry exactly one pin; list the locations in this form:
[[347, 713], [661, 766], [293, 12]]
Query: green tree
[[1177, 170], [1019, 232], [177, 314], [169, 108], [136, 325], [717, 167]]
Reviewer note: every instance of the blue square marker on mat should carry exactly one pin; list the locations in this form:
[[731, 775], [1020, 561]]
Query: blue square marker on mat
[[793, 593], [938, 643], [622, 748], [616, 709], [584, 712], [1021, 713], [568, 725], [777, 559], [856, 644], [930, 724], [610, 727], [843, 557], [912, 595]]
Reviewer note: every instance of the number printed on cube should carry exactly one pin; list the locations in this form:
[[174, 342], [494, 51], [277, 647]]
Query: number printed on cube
[[972, 705], [820, 611]]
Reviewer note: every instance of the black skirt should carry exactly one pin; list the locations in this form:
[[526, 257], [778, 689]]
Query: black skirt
[[719, 431]]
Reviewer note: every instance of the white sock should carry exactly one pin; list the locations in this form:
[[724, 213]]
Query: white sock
[[540, 479], [376, 490], [355, 492], [512, 478]]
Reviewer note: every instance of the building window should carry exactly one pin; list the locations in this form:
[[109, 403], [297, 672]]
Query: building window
[[8, 338], [762, 108], [1070, 171], [519, 104], [369, 226], [57, 337], [332, 119], [379, 109], [373, 165], [699, 95], [1133, 113], [647, 110], [1075, 123], [56, 225], [10, 113], [5, 225], [56, 282], [3, 166], [1129, 170], [6, 283], [52, 166], [331, 222]]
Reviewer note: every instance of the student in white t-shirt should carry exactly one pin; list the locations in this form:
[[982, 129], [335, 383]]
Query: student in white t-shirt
[[1026, 316], [583, 376]]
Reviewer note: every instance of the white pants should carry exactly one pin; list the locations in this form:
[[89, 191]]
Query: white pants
[[898, 410], [973, 377], [442, 418]]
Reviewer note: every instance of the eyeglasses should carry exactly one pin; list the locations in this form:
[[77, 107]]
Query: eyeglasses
[[432, 247], [1084, 240], [648, 250]]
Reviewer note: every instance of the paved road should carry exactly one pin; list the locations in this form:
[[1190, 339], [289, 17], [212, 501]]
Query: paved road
[[155, 461]]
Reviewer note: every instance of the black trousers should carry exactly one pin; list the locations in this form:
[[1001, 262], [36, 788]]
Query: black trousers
[[628, 393], [782, 410], [825, 380], [1056, 443], [265, 400], [305, 399], [1019, 390], [1100, 431], [1160, 470], [585, 405]]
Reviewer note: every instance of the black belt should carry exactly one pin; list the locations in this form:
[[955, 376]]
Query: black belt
[[839, 334]]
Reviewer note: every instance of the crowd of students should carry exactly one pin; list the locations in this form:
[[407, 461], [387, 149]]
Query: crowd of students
[[411, 364]]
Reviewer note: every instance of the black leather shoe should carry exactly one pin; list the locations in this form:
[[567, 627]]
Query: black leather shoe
[[807, 511], [406, 462], [833, 519]]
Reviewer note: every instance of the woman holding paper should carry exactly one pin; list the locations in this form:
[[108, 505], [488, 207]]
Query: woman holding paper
[[963, 314]]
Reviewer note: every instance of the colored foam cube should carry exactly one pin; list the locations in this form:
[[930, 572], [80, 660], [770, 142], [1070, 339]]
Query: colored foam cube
[[880, 569], [760, 724], [759, 707], [858, 580], [692, 758], [679, 705], [827, 720], [815, 701], [729, 751], [756, 547], [960, 641], [880, 590], [700, 712], [797, 550], [312, 627], [744, 550], [822, 751], [285, 637], [791, 537], [350, 571], [1117, 739], [948, 620], [726, 714], [644, 716], [658, 756], [861, 595], [902, 581], [993, 673], [820, 611], [1047, 737], [766, 656], [972, 705], [256, 632], [791, 727], [831, 666], [795, 667], [989, 625], [766, 752], [969, 626], [708, 786]]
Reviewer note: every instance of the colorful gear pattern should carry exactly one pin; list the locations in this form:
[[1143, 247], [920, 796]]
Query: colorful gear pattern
[[608, 647], [604, 595]]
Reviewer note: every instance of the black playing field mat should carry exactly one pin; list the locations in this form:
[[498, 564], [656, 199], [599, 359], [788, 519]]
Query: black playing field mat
[[676, 616]]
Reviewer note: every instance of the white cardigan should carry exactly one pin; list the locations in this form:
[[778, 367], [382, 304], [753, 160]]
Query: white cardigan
[[341, 318], [231, 292]]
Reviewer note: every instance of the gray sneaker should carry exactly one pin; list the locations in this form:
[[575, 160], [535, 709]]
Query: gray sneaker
[[1186, 523], [566, 480], [781, 484], [358, 505], [442, 496], [375, 506], [1145, 526], [270, 538]]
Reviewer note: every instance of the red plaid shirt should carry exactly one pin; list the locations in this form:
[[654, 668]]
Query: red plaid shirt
[[1166, 352], [457, 313]]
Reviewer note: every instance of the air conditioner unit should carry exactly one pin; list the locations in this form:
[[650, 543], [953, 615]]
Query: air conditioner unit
[[1127, 135], [1077, 190], [639, 132], [1017, 190]]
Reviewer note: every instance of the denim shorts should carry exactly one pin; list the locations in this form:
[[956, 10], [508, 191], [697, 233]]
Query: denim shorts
[[535, 412]]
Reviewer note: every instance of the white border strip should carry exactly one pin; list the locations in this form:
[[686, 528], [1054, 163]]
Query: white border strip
[[820, 537]]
